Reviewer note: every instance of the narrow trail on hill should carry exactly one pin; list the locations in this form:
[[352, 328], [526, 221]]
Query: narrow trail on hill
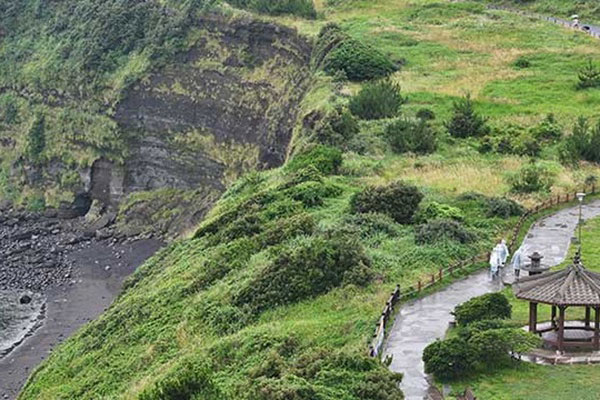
[[422, 321]]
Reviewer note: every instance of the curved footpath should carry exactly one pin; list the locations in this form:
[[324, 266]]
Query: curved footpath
[[422, 321]]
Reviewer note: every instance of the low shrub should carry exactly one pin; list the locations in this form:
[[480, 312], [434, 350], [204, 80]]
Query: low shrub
[[312, 194], [338, 52], [327, 160], [503, 208], [435, 210], [589, 76], [284, 229], [406, 136], [487, 307], [399, 200], [442, 229], [532, 177], [185, 381], [448, 359], [377, 100], [522, 63], [301, 8], [425, 114], [372, 223], [302, 269], [493, 346], [548, 130], [465, 121], [337, 128]]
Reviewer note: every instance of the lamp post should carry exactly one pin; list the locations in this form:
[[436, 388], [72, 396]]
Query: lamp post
[[580, 197]]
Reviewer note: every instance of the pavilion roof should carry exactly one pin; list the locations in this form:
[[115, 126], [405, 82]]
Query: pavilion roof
[[572, 286]]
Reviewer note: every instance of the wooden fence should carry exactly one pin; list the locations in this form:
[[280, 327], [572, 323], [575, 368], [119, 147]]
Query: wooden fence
[[426, 282]]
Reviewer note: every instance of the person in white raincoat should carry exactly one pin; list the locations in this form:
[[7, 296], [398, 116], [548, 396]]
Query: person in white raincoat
[[517, 261], [504, 253], [495, 261]]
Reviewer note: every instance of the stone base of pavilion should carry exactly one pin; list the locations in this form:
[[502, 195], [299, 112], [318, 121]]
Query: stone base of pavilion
[[578, 344]]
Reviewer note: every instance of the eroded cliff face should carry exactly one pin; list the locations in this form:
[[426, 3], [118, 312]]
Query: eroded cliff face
[[225, 106]]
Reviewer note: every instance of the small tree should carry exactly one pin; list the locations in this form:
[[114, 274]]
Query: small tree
[[465, 122], [589, 76], [411, 136], [377, 100]]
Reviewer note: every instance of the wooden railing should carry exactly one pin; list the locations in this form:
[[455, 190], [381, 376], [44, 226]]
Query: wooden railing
[[426, 282]]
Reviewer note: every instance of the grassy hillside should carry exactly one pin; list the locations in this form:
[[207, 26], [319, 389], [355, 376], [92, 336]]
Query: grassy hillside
[[276, 294]]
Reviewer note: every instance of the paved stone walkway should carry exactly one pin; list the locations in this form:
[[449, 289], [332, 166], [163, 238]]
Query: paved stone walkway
[[421, 322]]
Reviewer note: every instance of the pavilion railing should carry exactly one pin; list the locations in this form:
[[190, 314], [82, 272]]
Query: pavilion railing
[[376, 344]]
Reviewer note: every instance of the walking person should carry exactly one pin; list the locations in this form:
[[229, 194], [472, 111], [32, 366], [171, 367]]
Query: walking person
[[517, 261], [494, 261], [503, 252]]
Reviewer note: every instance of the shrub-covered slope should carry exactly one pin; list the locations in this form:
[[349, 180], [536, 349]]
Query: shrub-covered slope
[[276, 294], [273, 298]]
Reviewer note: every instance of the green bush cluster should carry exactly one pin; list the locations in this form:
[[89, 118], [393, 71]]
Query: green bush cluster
[[337, 128], [519, 140], [484, 340], [337, 52], [377, 100], [530, 178], [300, 8], [442, 229], [490, 306], [503, 208], [458, 357], [327, 160], [312, 194], [189, 380], [373, 223], [582, 144], [465, 121], [407, 136], [398, 200], [301, 269], [434, 210]]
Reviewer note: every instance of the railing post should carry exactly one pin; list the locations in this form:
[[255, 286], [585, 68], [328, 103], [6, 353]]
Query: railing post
[[441, 274], [419, 286]]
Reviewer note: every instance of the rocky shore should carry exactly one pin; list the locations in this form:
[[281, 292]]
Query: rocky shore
[[55, 275]]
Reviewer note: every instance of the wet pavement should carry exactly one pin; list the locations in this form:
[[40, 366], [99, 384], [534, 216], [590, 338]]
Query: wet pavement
[[422, 321]]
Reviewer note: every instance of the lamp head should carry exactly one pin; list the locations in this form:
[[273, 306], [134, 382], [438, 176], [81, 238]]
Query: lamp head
[[580, 196]]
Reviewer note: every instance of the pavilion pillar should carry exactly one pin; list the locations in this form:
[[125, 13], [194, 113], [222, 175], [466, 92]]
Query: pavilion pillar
[[587, 317], [561, 328], [597, 328], [553, 324], [533, 317]]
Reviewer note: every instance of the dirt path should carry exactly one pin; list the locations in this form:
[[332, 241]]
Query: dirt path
[[422, 321], [101, 268]]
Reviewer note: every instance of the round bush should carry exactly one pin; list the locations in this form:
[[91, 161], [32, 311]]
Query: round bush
[[442, 229], [531, 178], [503, 207], [337, 128], [465, 121], [448, 359], [398, 200], [486, 307]]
